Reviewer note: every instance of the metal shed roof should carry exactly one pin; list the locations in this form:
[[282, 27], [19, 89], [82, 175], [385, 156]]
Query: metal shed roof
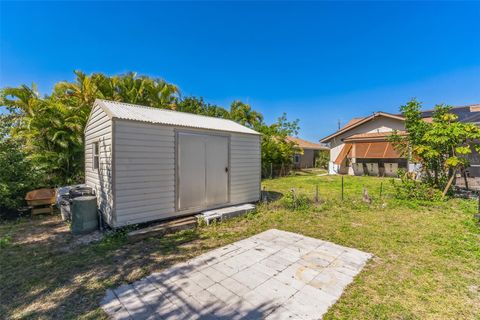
[[135, 112]]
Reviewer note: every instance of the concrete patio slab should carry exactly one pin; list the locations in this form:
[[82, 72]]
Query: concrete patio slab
[[273, 275]]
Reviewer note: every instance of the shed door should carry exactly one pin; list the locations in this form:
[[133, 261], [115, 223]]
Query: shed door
[[202, 170], [217, 170], [191, 171]]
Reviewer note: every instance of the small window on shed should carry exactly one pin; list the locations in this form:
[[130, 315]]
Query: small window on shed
[[96, 156]]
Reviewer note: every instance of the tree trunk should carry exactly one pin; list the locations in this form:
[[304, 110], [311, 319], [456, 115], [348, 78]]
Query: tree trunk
[[465, 178], [447, 187]]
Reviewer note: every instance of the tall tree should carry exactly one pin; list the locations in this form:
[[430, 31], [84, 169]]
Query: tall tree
[[245, 115], [276, 149], [199, 106], [443, 146], [17, 173], [51, 128]]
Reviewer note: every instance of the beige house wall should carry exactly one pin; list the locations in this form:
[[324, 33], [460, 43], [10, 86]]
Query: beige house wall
[[307, 159], [380, 124]]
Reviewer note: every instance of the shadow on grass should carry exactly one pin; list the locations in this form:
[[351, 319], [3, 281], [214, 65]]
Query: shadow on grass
[[271, 196], [40, 281]]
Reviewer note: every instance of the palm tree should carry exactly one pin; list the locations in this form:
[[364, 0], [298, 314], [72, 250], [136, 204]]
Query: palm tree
[[51, 128], [243, 114]]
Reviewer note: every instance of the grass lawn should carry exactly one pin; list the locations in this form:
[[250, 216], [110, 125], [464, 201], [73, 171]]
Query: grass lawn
[[426, 261]]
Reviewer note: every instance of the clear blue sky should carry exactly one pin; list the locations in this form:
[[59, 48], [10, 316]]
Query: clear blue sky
[[319, 62]]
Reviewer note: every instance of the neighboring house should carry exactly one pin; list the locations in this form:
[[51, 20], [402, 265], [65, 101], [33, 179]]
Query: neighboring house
[[309, 154], [150, 164], [362, 146]]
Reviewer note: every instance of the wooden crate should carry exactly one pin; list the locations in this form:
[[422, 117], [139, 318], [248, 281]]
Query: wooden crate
[[42, 209], [41, 200]]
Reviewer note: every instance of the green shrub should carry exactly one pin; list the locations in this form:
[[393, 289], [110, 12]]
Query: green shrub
[[322, 160], [411, 189], [5, 241], [294, 201], [17, 174]]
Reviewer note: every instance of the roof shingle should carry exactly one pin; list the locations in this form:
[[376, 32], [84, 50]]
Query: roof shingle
[[304, 144]]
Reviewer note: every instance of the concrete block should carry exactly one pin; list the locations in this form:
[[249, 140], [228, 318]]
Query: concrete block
[[221, 292]]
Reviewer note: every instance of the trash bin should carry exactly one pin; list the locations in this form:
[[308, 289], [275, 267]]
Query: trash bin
[[65, 210], [65, 196], [84, 214]]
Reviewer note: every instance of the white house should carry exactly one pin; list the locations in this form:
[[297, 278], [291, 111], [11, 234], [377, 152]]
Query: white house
[[150, 164], [362, 145]]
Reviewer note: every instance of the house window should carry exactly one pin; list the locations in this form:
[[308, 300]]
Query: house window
[[297, 158], [96, 156]]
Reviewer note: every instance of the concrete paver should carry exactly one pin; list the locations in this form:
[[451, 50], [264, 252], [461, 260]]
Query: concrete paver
[[273, 275]]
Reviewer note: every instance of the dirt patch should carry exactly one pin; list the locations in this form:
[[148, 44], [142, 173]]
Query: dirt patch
[[51, 230]]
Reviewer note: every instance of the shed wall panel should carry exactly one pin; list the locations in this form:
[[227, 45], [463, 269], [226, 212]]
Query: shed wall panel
[[244, 172], [145, 171], [99, 129], [136, 179]]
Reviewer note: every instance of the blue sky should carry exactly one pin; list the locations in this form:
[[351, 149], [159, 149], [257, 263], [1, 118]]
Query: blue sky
[[319, 62]]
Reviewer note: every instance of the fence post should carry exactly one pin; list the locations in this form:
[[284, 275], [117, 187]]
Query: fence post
[[365, 197], [271, 170], [342, 189], [465, 179], [316, 193]]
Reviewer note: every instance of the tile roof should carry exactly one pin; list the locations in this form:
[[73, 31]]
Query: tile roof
[[373, 135], [134, 112], [470, 113], [304, 144], [358, 121], [352, 122]]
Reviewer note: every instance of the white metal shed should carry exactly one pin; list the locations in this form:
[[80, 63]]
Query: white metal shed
[[150, 164]]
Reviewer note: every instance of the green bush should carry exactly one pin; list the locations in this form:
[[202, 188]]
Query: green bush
[[17, 174], [293, 201], [322, 160], [411, 189], [5, 241]]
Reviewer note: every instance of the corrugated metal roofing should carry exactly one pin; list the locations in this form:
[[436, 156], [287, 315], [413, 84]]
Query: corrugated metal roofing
[[128, 111]]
